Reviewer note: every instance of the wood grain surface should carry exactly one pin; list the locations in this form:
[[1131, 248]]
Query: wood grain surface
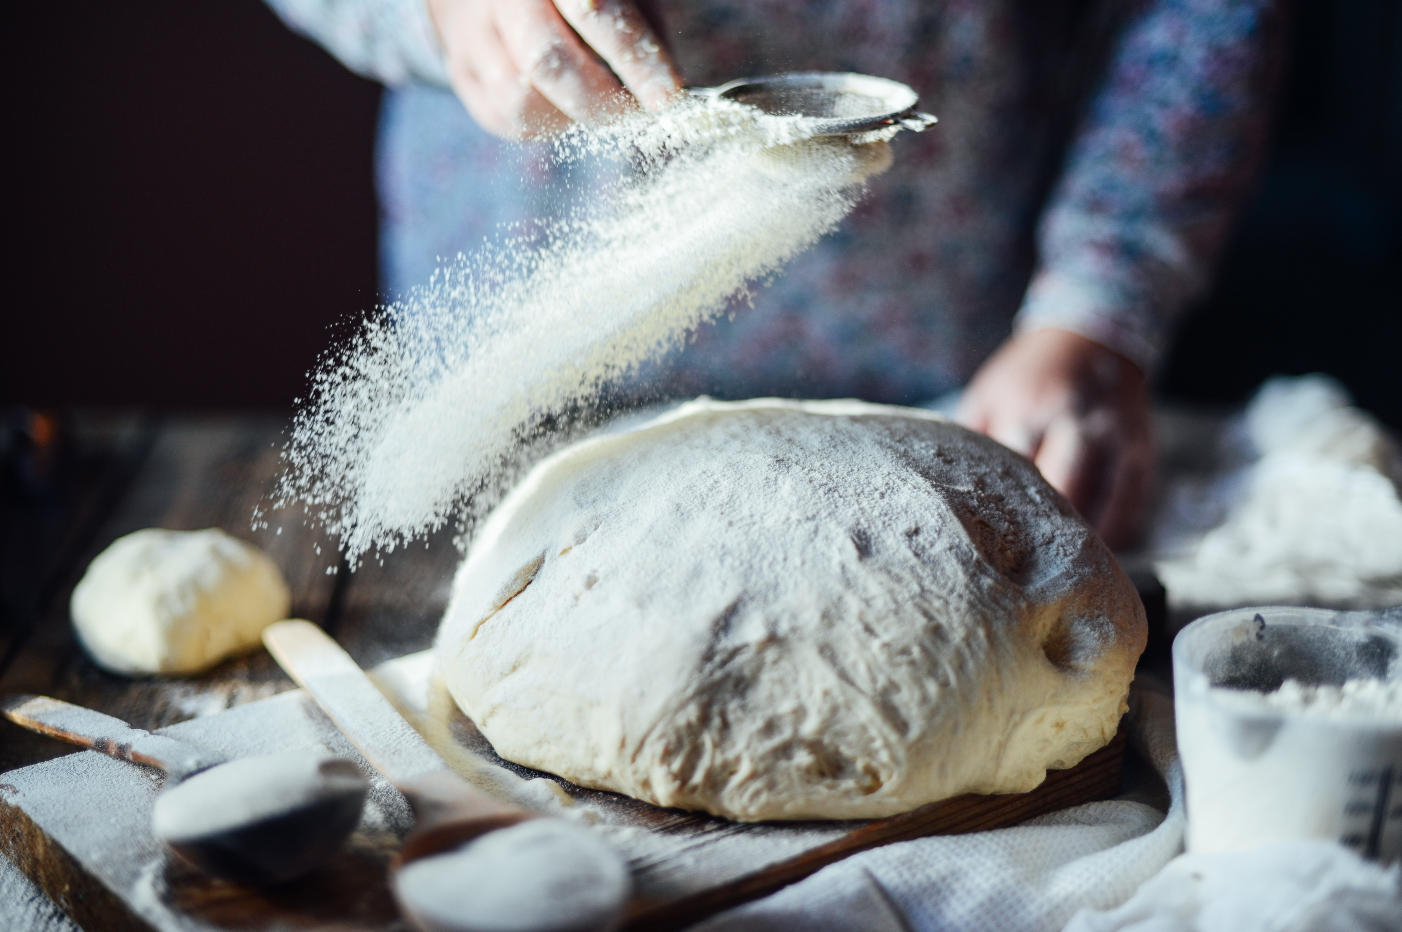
[[78, 825], [195, 474]]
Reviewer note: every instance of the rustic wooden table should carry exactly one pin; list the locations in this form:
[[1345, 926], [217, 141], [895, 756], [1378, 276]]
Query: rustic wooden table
[[190, 474], [105, 476]]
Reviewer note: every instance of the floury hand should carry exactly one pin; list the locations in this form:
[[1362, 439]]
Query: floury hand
[[1080, 411], [527, 68]]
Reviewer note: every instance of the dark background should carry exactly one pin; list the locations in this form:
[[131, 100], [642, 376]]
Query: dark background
[[191, 205], [191, 211], [1313, 281]]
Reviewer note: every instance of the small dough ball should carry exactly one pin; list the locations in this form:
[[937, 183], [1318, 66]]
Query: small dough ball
[[160, 601]]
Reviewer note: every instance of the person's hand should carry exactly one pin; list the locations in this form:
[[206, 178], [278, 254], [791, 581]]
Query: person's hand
[[526, 68], [1079, 411]]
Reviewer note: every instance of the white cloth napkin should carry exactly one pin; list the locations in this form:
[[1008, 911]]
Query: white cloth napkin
[[1304, 886], [1083, 866]]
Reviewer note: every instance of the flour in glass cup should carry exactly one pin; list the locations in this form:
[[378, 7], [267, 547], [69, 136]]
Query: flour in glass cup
[[1300, 761], [1362, 700], [429, 412]]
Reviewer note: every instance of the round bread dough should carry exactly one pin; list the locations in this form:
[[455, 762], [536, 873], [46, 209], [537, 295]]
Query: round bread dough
[[781, 610], [160, 601]]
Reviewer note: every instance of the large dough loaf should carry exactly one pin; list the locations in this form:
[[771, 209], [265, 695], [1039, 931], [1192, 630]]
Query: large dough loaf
[[780, 610]]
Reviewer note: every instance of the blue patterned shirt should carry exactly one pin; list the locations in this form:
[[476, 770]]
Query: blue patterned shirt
[[1089, 160]]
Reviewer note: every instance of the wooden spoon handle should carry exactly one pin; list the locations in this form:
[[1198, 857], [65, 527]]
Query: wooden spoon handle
[[447, 809], [112, 736]]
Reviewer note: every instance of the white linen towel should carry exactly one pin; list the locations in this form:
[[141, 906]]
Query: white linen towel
[[1098, 867]]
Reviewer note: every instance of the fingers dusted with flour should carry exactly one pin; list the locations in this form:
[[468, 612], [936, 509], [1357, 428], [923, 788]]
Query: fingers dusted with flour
[[526, 68], [617, 30], [485, 76], [551, 57]]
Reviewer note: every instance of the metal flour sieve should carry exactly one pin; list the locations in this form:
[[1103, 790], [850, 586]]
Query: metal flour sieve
[[845, 104]]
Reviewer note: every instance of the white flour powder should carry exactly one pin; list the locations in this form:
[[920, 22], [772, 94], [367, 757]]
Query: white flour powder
[[1364, 700], [430, 409], [1316, 520], [1360, 699]]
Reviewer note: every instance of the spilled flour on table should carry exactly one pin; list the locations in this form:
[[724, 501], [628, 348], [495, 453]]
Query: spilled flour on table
[[437, 404]]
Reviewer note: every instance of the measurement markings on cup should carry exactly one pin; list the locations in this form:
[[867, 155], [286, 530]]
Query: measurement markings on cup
[[1379, 808]]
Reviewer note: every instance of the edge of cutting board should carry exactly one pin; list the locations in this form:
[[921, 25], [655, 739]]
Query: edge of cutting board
[[56, 873]]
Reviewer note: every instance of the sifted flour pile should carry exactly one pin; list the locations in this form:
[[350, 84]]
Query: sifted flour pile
[[1315, 520], [432, 408]]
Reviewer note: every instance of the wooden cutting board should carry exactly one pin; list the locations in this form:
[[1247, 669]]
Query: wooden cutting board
[[79, 827]]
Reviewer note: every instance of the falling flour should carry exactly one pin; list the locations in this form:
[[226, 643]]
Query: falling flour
[[437, 404]]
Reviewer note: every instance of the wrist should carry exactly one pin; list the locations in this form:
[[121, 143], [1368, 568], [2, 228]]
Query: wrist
[[1097, 310], [1078, 356]]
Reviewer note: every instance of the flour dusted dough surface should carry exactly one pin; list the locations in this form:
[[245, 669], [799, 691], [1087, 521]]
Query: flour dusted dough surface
[[780, 610], [159, 601]]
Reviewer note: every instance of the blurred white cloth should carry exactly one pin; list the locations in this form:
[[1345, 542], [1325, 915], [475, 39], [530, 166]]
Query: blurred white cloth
[[1304, 886], [1104, 866], [1313, 518]]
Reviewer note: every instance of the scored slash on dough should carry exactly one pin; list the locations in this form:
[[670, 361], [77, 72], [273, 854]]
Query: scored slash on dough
[[514, 587]]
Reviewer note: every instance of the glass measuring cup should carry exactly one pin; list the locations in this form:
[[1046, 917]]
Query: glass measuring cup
[[1259, 767]]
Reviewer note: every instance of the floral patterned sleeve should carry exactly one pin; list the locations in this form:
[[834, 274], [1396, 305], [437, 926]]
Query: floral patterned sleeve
[[390, 40], [1157, 171]]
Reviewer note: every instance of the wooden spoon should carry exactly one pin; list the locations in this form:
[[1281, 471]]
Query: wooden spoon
[[256, 820], [473, 863]]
